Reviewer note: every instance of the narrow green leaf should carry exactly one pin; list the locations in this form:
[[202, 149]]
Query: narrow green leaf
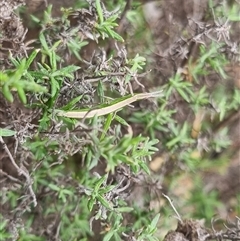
[[18, 73], [55, 45], [109, 31], [108, 236], [120, 120], [44, 42], [183, 94], [14, 61], [144, 167], [118, 37], [54, 187], [62, 196], [154, 222], [3, 78], [106, 125], [104, 202], [67, 192], [99, 182], [70, 105], [99, 11], [106, 189], [54, 87], [31, 57], [70, 69], [21, 94], [53, 61], [91, 203], [7, 132], [7, 93], [124, 209], [173, 142]]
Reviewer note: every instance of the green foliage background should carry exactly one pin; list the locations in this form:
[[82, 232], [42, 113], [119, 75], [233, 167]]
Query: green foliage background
[[81, 173]]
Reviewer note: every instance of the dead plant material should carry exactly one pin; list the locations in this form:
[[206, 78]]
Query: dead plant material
[[188, 230]]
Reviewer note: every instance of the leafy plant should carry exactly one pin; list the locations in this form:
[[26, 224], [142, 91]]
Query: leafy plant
[[19, 79], [72, 173], [106, 23]]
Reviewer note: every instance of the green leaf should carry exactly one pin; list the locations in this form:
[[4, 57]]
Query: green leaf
[[71, 104], [31, 57], [44, 42], [91, 203], [106, 189], [18, 73], [183, 94], [55, 45], [144, 167], [124, 209], [104, 202], [54, 187], [120, 120], [70, 69], [154, 222], [14, 61], [99, 11], [22, 95], [7, 93], [7, 132], [54, 87], [117, 37], [109, 235], [53, 61], [106, 125], [100, 181], [3, 78]]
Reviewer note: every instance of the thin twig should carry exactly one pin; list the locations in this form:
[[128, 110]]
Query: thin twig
[[9, 176], [21, 171], [174, 209]]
